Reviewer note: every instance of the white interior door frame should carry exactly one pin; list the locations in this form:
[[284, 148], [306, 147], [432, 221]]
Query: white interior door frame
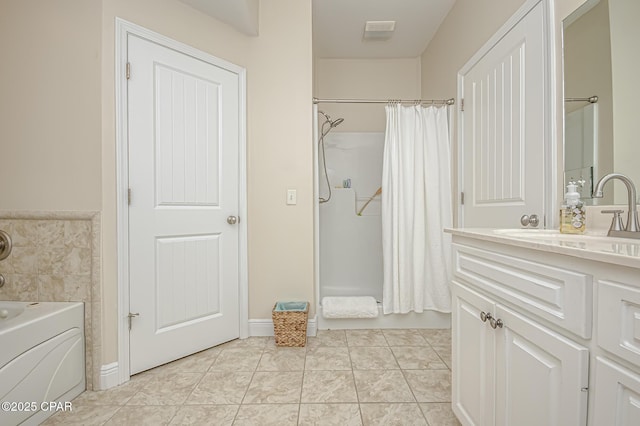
[[123, 30], [551, 91]]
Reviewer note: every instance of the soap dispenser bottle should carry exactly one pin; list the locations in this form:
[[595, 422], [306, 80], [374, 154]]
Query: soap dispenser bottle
[[572, 213]]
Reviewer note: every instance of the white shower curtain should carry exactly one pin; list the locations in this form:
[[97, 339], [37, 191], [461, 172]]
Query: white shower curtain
[[416, 206]]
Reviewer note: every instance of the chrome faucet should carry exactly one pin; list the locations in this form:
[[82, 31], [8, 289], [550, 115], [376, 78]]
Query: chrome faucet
[[632, 228]]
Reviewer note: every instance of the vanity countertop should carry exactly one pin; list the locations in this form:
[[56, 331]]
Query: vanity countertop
[[592, 246]]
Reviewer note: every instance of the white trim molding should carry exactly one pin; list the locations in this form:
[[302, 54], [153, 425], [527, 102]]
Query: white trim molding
[[264, 327], [123, 30], [109, 376]]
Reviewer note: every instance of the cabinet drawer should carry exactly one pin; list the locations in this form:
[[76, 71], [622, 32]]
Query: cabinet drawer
[[619, 320], [559, 295], [617, 395]]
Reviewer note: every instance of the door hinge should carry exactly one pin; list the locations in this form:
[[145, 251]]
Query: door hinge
[[129, 196], [128, 70], [462, 104], [462, 198]]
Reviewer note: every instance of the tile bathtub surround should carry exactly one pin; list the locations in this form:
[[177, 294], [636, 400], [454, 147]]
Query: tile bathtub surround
[[55, 258], [342, 377]]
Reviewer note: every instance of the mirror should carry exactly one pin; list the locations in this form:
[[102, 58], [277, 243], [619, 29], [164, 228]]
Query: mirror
[[601, 58]]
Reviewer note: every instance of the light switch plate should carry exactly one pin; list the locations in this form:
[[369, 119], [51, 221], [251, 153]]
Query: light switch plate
[[292, 197]]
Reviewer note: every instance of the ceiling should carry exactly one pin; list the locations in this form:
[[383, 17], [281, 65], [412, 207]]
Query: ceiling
[[338, 27], [240, 14]]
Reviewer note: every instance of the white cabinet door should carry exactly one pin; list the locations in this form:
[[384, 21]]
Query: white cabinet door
[[617, 400], [502, 127], [541, 376], [473, 358]]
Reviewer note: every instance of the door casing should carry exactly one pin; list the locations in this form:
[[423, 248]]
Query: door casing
[[122, 32]]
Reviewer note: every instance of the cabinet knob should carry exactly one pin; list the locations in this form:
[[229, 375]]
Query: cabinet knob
[[495, 323], [485, 316]]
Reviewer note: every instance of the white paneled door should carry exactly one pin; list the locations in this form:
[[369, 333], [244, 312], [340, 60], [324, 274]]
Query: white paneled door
[[503, 128], [183, 118]]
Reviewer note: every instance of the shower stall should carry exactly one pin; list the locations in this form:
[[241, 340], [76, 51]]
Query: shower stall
[[348, 224]]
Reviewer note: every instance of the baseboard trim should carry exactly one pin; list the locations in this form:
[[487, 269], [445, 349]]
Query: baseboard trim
[[109, 376], [264, 327]]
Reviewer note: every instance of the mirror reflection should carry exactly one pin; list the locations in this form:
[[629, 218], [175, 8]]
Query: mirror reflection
[[601, 58]]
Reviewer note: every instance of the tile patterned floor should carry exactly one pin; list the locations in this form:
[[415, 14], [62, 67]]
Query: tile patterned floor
[[341, 378]]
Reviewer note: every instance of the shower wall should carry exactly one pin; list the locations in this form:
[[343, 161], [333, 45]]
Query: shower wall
[[351, 245]]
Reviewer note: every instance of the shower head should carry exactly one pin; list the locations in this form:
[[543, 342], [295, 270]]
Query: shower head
[[328, 120]]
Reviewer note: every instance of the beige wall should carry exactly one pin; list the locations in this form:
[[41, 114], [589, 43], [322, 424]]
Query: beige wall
[[625, 63], [467, 27], [364, 79], [279, 90], [50, 105], [57, 126]]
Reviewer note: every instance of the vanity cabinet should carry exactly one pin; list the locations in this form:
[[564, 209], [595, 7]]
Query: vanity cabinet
[[545, 332], [518, 373]]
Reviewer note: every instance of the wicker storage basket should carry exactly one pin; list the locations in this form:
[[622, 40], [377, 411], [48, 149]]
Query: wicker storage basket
[[290, 326]]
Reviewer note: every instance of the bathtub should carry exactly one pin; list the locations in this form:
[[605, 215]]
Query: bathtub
[[41, 359]]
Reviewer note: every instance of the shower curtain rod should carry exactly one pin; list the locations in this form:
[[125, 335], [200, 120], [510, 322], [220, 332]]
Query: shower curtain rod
[[384, 101], [590, 99]]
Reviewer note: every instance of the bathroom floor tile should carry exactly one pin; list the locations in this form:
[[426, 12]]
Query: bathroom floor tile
[[392, 415], [218, 415], [197, 363], [329, 386], [237, 359], [404, 338], [267, 415], [221, 387], [418, 358], [342, 377], [166, 389], [258, 342], [437, 336], [327, 338], [329, 415], [382, 386], [118, 395], [274, 388], [328, 358], [366, 338], [282, 359], [83, 415], [430, 385], [143, 416], [440, 414], [372, 358]]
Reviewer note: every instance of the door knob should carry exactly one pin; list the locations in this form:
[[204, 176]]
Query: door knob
[[232, 220], [532, 220]]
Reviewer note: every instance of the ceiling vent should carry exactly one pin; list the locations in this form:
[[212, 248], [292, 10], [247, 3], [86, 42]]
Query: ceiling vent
[[379, 30]]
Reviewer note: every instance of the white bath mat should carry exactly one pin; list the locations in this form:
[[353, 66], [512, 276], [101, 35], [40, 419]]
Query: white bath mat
[[349, 307]]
